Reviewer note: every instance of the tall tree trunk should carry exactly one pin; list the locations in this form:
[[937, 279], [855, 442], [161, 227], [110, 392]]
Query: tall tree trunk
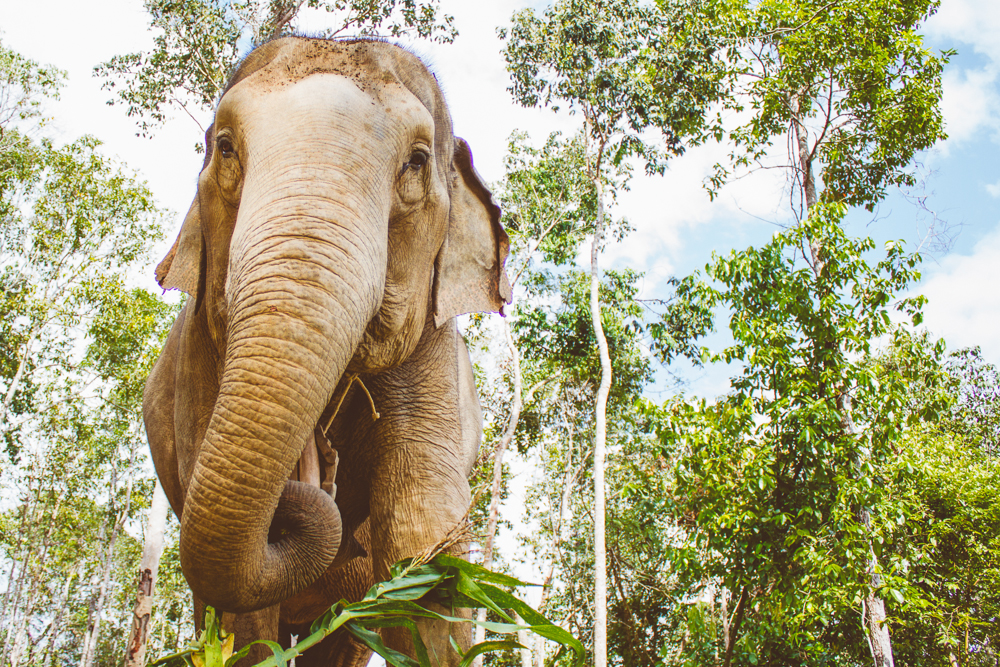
[[569, 478], [15, 559], [600, 425], [97, 604], [523, 640], [92, 607], [142, 613], [13, 621], [875, 618], [38, 558], [734, 627], [60, 613], [18, 558]]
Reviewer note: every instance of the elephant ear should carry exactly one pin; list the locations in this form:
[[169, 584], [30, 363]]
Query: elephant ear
[[469, 270], [181, 268]]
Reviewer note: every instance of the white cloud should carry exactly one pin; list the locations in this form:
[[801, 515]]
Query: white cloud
[[971, 101], [975, 22], [993, 189], [970, 104], [963, 303]]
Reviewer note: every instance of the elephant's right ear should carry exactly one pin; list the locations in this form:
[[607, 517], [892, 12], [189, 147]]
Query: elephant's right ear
[[469, 271], [181, 268]]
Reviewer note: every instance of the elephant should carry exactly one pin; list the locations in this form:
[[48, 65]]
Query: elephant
[[313, 415]]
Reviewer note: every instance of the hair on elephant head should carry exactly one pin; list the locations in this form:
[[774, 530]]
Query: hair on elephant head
[[338, 229]]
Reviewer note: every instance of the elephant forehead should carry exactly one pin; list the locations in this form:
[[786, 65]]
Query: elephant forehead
[[325, 101]]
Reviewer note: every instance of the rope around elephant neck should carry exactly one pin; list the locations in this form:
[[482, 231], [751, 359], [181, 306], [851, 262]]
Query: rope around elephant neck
[[354, 377]]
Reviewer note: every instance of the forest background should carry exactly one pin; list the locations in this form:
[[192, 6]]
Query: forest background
[[689, 614]]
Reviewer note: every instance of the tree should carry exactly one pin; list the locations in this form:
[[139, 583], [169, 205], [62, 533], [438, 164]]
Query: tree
[[952, 540], [854, 91], [548, 202], [785, 506], [77, 342], [200, 42], [626, 68]]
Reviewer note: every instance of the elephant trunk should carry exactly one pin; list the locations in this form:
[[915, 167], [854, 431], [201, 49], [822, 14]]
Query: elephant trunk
[[304, 281]]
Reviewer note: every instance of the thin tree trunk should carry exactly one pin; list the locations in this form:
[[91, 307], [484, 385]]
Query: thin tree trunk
[[18, 557], [135, 649], [724, 614], [557, 528], [60, 613], [875, 618], [97, 607], [734, 629], [13, 623], [15, 559], [88, 658], [92, 611], [523, 640], [878, 630], [21, 638], [600, 431]]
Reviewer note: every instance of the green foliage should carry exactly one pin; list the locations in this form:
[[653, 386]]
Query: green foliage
[[952, 543], [855, 74], [626, 66], [771, 481], [560, 339], [199, 42], [78, 224], [76, 343], [26, 85], [414, 590], [550, 201]]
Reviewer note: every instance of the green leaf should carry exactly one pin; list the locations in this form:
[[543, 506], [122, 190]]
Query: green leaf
[[468, 587], [478, 572], [373, 641], [487, 647]]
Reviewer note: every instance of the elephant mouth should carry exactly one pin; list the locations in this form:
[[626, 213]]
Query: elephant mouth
[[318, 463]]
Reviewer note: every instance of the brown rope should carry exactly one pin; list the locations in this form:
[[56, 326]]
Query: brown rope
[[343, 395]]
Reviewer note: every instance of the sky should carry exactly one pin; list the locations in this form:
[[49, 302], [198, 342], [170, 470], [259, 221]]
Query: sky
[[676, 227]]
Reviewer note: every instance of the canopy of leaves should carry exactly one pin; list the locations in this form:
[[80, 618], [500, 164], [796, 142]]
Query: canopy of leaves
[[626, 66], [854, 74], [769, 482], [951, 542], [76, 343]]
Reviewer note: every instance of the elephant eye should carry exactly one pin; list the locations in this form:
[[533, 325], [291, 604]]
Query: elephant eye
[[225, 145], [417, 160]]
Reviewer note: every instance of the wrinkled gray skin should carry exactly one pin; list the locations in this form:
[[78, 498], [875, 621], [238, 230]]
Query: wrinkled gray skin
[[337, 230]]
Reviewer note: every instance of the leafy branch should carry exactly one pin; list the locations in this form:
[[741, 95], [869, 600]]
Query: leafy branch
[[443, 581]]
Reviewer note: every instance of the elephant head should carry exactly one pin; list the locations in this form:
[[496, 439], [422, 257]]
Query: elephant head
[[336, 218]]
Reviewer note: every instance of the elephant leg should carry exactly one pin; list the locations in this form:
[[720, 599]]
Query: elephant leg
[[261, 624], [419, 467], [340, 649]]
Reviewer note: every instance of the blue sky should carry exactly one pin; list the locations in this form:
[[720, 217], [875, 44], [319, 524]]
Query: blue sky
[[676, 226]]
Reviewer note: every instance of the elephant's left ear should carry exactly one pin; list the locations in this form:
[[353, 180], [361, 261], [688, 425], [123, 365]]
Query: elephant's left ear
[[181, 268], [469, 270]]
